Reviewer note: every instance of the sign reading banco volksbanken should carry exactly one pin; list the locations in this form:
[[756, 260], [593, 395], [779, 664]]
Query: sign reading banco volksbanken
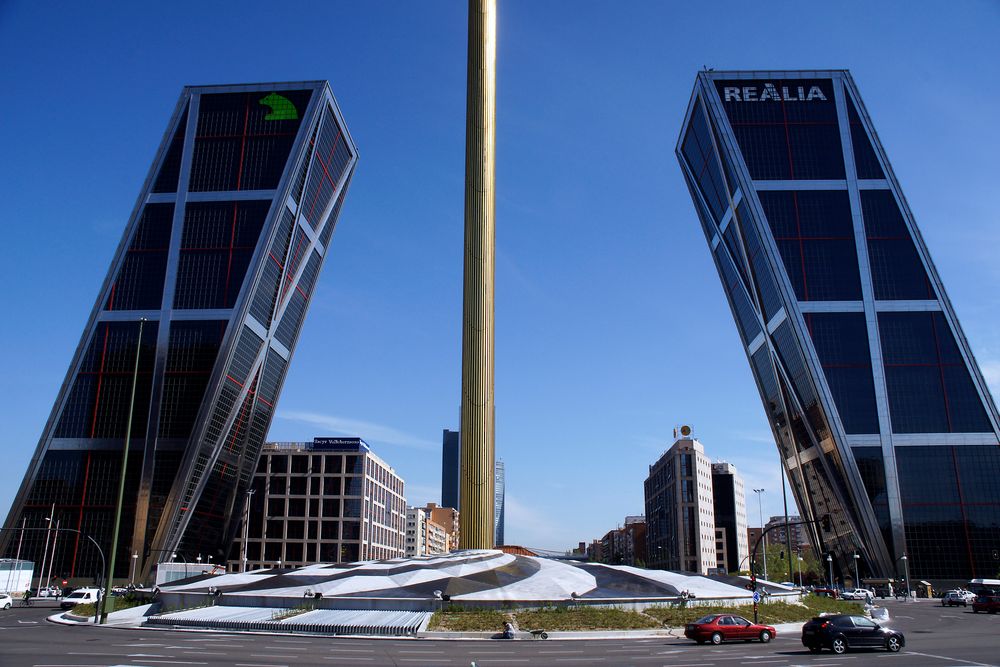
[[772, 93]]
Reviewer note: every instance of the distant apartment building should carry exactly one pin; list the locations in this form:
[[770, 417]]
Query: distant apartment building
[[447, 518], [625, 545], [753, 535], [680, 512], [800, 536], [331, 500], [729, 501], [423, 536]]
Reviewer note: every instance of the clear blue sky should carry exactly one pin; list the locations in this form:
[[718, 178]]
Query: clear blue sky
[[612, 326]]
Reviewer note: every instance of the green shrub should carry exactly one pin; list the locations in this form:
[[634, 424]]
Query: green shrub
[[584, 618]]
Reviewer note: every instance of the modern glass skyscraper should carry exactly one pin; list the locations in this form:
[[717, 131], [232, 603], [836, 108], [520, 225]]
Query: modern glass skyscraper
[[499, 485], [880, 412], [220, 257]]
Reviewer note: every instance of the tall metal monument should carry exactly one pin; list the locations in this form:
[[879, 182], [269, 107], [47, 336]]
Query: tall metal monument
[[220, 258], [477, 428]]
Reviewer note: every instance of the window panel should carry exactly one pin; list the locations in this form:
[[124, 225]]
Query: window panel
[[166, 180], [785, 129], [700, 155], [897, 272], [242, 143], [191, 353], [139, 282], [865, 161], [815, 238], [217, 245], [929, 386]]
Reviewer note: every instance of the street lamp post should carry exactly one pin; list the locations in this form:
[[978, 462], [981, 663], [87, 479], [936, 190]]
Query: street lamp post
[[760, 513], [906, 575], [135, 558], [829, 563], [800, 570], [857, 577]]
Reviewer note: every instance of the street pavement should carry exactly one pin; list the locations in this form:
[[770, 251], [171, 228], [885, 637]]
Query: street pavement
[[935, 636]]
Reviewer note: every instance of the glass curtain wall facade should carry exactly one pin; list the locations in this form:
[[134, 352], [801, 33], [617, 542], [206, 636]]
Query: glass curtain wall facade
[[879, 410], [220, 256]]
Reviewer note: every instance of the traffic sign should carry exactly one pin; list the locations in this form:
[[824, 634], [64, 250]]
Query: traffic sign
[[756, 597]]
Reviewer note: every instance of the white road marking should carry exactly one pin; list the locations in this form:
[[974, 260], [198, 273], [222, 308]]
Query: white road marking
[[257, 664], [943, 657], [176, 662], [286, 648]]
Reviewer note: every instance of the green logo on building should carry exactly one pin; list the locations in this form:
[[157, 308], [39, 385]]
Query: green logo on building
[[281, 107]]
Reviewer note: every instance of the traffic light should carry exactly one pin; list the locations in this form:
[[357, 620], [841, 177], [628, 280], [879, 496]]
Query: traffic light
[[827, 523], [781, 556]]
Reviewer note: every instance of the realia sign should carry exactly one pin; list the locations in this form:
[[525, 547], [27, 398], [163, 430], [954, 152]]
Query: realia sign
[[772, 93]]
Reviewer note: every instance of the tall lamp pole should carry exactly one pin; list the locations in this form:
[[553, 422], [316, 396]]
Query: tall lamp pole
[[829, 563], [760, 513], [906, 575], [857, 577], [121, 479]]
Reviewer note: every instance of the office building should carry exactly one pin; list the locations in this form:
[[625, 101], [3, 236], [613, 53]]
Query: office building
[[730, 505], [680, 513], [882, 418], [499, 479], [451, 468], [216, 268], [331, 500]]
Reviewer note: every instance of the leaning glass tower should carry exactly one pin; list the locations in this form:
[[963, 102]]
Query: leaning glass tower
[[879, 410], [220, 256]]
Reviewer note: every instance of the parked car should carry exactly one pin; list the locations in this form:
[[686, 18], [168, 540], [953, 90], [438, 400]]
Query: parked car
[[826, 592], [6, 602], [987, 603], [717, 628], [841, 632], [857, 594], [80, 596], [958, 597]]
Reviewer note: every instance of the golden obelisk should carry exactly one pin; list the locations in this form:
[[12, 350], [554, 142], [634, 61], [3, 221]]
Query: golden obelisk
[[476, 486]]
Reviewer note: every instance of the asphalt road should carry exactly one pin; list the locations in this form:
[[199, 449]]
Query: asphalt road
[[935, 636]]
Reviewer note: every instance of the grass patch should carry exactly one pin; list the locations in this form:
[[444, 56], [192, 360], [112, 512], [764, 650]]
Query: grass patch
[[584, 618], [91, 609], [767, 612], [821, 604], [472, 620]]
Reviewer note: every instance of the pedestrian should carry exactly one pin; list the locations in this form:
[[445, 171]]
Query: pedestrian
[[508, 630], [27, 597]]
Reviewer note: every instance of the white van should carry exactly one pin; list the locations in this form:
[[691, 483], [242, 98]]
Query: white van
[[80, 596]]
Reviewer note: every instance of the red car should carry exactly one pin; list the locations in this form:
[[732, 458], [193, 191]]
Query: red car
[[716, 628], [987, 603]]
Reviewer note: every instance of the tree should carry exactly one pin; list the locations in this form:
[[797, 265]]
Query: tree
[[777, 566]]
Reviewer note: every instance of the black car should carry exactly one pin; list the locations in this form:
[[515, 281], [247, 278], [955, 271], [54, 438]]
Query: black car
[[841, 632]]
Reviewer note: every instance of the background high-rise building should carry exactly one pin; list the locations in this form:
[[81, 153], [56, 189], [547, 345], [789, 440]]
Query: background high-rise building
[[220, 256], [680, 513], [500, 480], [730, 504], [331, 500], [451, 470], [881, 415], [451, 467]]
